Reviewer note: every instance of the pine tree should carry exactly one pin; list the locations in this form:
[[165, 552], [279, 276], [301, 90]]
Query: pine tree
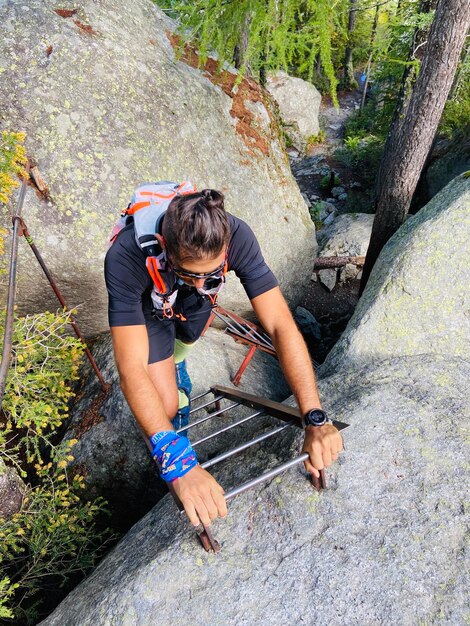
[[263, 35]]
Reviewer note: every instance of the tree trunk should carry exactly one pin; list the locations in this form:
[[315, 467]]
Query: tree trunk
[[348, 69], [239, 53], [406, 149]]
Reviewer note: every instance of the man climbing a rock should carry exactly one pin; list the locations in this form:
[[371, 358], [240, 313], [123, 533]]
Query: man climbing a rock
[[170, 253]]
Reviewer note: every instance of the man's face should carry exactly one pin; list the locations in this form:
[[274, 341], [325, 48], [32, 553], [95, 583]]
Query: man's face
[[203, 268]]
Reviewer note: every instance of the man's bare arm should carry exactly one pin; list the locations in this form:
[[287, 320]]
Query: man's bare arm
[[131, 350], [323, 443], [200, 494], [276, 318]]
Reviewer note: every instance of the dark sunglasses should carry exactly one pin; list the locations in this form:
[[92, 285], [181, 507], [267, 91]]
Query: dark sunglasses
[[217, 273]]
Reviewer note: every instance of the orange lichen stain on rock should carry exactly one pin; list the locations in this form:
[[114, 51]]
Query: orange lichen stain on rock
[[65, 12], [248, 90], [85, 27], [152, 42]]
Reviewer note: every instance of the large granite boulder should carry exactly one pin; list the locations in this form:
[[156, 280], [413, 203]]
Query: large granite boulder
[[348, 235], [385, 544], [299, 106], [111, 452], [417, 299], [12, 490], [105, 106]]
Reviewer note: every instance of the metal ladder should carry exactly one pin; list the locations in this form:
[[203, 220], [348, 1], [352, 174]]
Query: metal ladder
[[263, 406]]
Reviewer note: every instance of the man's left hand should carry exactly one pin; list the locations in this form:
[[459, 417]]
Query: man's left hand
[[323, 444]]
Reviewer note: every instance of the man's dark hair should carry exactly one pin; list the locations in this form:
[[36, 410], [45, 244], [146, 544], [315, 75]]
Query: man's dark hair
[[195, 226]]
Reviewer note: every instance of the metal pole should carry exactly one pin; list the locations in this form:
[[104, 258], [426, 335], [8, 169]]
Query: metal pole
[[266, 476], [203, 406], [256, 329], [244, 330], [244, 365], [210, 416], [9, 313], [53, 284], [201, 395], [223, 430], [244, 446]]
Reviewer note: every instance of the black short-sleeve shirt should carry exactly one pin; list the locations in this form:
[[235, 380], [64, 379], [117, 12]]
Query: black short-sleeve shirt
[[129, 284]]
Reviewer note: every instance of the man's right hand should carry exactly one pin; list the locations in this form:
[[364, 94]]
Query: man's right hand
[[201, 495]]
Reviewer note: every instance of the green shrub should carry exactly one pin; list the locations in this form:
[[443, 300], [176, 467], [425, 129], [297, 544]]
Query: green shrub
[[55, 534], [313, 140], [12, 161], [362, 154], [456, 114], [325, 181]]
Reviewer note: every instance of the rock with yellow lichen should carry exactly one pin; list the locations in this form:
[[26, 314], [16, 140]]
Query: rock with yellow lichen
[[105, 106], [417, 300]]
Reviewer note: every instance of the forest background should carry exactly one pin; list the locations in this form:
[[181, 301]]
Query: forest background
[[55, 537]]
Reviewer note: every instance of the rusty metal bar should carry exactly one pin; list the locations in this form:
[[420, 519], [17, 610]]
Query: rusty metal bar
[[276, 409], [244, 446], [73, 323], [244, 365], [242, 330], [208, 417], [9, 312], [223, 430], [204, 533]]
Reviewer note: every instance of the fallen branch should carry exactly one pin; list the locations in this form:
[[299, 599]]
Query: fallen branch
[[327, 262]]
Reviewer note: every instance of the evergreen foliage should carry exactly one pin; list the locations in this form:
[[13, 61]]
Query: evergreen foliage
[[282, 34]]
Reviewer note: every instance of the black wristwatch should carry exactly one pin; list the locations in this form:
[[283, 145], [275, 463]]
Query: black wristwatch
[[315, 417]]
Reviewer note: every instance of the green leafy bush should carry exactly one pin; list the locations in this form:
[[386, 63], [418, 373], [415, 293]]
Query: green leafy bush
[[55, 534], [456, 114], [12, 161], [325, 181], [362, 154], [319, 138]]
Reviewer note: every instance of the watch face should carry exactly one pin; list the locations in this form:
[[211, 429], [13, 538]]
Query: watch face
[[316, 417]]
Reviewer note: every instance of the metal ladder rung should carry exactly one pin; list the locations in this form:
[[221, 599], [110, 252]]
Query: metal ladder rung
[[223, 430], [203, 406], [208, 417], [244, 446], [266, 476]]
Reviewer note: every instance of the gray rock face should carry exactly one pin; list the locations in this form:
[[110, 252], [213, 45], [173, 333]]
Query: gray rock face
[[348, 236], [417, 299], [299, 105], [385, 544], [307, 323], [111, 451], [12, 491], [105, 110]]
